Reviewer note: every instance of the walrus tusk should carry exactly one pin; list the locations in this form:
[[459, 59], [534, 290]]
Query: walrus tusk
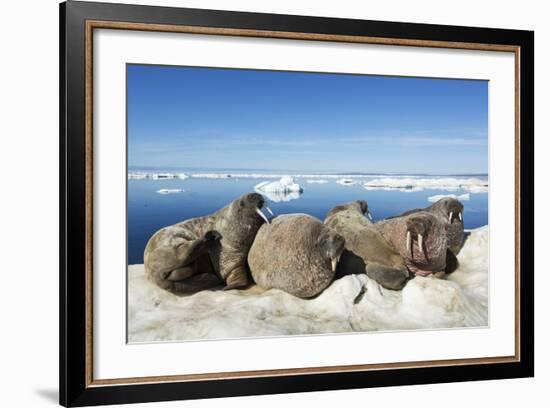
[[408, 241], [420, 247], [269, 210], [369, 215], [333, 262], [261, 214], [460, 216], [451, 216]]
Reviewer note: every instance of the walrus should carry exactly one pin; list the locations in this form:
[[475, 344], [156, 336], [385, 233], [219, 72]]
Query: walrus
[[206, 252], [366, 249], [450, 211], [421, 239], [295, 253]]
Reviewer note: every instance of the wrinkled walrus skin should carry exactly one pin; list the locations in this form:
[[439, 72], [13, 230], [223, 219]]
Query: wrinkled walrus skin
[[449, 211], [205, 252], [421, 239], [367, 251], [295, 253]]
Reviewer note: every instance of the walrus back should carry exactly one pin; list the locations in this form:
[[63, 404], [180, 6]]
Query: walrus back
[[284, 256]]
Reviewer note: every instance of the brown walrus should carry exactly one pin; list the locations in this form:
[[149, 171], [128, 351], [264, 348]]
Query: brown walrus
[[449, 211], [295, 253], [205, 252], [366, 249], [421, 239]]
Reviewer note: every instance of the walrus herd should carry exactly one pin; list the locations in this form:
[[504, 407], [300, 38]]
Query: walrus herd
[[239, 245]]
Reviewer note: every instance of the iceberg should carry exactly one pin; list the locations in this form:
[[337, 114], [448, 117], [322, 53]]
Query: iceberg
[[462, 197], [285, 189], [170, 190], [352, 303], [472, 185]]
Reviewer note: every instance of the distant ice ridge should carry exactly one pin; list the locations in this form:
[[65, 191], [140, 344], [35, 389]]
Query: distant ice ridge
[[138, 175], [410, 184], [462, 197], [170, 190], [321, 181], [285, 189]]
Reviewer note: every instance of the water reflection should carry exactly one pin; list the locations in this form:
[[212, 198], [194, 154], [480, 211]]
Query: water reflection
[[280, 196]]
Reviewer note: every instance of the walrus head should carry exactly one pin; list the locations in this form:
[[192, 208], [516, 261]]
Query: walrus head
[[451, 208], [425, 244], [255, 202], [360, 205], [331, 245]]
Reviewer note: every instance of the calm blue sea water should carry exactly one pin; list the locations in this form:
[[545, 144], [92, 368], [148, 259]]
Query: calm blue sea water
[[149, 211]]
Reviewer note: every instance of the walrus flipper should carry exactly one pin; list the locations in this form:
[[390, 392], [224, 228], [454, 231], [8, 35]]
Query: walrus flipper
[[194, 284], [189, 251], [238, 278], [452, 262], [389, 278]]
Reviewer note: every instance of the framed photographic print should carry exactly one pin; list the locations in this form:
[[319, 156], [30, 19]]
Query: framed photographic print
[[256, 203]]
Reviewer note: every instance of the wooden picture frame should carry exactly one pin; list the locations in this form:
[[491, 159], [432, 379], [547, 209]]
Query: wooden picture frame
[[78, 20]]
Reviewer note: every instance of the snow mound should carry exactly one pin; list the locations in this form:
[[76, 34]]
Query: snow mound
[[352, 303], [472, 185], [436, 198]]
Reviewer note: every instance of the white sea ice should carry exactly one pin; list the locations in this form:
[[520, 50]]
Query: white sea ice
[[460, 300], [320, 181], [437, 197], [346, 181], [472, 185], [285, 189], [170, 190], [139, 175]]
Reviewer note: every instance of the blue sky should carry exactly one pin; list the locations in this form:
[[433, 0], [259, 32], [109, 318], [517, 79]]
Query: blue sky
[[291, 121]]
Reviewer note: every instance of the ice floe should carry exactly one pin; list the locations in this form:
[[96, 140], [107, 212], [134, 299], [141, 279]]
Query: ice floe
[[352, 303], [320, 181], [472, 185], [346, 181], [285, 189], [170, 190], [437, 197]]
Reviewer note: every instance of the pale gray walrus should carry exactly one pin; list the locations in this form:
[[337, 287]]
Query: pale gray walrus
[[295, 253], [366, 249], [449, 211], [205, 252]]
